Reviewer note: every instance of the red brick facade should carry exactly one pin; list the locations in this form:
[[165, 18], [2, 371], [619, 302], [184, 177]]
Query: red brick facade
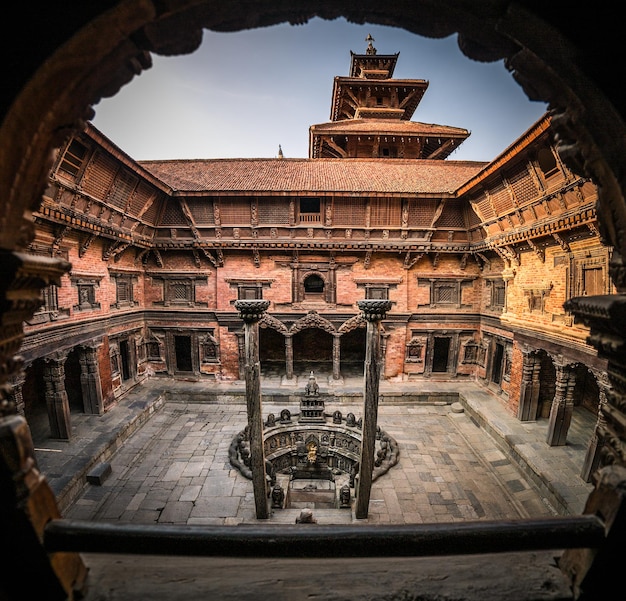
[[477, 260]]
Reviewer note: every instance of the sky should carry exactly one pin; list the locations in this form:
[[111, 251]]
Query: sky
[[244, 94]]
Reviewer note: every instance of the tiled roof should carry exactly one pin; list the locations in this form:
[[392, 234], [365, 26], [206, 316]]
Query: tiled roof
[[273, 176], [389, 126]]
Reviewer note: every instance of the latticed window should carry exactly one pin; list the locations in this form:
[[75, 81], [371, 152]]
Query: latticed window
[[349, 212], [446, 294], [179, 291], [235, 212], [122, 188], [498, 294], [274, 211], [421, 212], [385, 212], [123, 289]]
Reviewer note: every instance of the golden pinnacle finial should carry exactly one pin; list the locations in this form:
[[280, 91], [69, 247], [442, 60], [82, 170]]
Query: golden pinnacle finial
[[370, 47]]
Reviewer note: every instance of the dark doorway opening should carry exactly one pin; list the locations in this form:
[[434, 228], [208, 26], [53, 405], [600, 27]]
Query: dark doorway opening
[[125, 359], [73, 384], [441, 351], [314, 288], [496, 371], [272, 353], [312, 351], [182, 346]]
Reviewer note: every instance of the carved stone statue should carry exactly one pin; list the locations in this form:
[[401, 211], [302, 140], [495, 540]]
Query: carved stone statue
[[312, 388], [278, 496], [344, 496]]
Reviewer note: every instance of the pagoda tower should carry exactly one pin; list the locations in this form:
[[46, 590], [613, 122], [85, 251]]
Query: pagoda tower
[[371, 116]]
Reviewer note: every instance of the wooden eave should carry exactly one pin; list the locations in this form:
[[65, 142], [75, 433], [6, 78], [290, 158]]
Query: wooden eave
[[375, 60], [341, 84]]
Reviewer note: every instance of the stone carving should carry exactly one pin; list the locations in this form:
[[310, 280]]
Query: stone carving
[[278, 496]]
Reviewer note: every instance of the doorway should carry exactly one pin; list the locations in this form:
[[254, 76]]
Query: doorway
[[182, 347], [125, 360], [441, 353], [496, 370]]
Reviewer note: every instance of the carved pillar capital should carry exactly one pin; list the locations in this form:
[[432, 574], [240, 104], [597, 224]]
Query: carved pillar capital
[[374, 309], [251, 310]]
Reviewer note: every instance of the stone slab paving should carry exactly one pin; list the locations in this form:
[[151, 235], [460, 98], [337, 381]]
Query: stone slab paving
[[175, 470]]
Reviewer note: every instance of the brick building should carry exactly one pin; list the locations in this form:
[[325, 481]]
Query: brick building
[[477, 260]]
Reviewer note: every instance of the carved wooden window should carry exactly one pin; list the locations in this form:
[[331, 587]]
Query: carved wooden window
[[250, 292], [593, 281], [179, 292], [377, 292], [50, 299], [385, 212], [86, 292], [314, 284], [123, 186], [497, 297], [123, 290], [547, 162], [73, 158], [310, 210], [589, 274]]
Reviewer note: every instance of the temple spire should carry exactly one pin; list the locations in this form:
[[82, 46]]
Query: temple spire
[[370, 47]]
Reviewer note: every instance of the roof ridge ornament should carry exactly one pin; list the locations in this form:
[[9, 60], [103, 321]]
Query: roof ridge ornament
[[370, 47]]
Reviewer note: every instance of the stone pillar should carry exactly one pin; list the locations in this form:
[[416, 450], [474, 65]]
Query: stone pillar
[[593, 456], [605, 315], [56, 396], [529, 388], [289, 356], [374, 312], [336, 357], [562, 405], [251, 311], [90, 383]]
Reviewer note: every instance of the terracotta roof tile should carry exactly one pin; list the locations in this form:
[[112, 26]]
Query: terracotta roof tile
[[390, 127], [271, 176]]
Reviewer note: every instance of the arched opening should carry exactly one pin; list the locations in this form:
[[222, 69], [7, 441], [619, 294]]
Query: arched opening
[[312, 351], [314, 288], [353, 352], [272, 352]]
